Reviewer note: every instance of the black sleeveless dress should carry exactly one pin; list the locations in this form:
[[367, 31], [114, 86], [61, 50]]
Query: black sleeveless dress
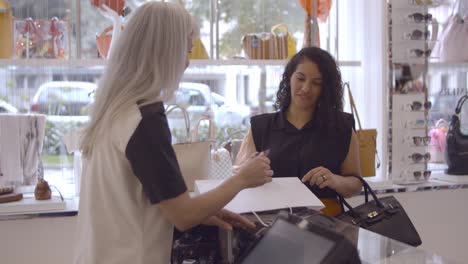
[[294, 152]]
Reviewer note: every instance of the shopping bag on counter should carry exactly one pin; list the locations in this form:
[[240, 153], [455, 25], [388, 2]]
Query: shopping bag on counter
[[220, 158], [384, 216], [193, 156]]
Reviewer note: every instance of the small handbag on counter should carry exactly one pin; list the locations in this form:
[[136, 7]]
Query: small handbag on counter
[[456, 153], [384, 216], [220, 158]]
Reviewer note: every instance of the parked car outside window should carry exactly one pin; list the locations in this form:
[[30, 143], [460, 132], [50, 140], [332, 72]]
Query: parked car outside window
[[7, 108], [199, 101], [63, 98]]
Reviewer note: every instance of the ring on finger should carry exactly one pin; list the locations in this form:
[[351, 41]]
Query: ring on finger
[[324, 177]]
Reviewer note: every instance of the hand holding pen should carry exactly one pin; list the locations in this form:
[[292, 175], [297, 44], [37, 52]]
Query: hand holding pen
[[256, 171]]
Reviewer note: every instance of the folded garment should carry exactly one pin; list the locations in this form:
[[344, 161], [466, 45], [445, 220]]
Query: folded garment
[[21, 139]]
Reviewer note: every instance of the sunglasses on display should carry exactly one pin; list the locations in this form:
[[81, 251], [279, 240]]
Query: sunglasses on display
[[426, 174], [421, 141], [419, 52], [418, 35], [418, 17], [417, 106], [418, 157], [419, 123]]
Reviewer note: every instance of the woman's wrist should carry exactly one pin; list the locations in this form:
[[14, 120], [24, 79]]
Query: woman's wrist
[[236, 182]]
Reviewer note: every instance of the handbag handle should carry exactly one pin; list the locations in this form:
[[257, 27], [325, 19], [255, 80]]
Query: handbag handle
[[367, 190], [281, 28], [186, 119], [211, 128], [353, 105], [460, 103]]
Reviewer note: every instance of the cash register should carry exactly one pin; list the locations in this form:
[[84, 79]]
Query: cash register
[[295, 240]]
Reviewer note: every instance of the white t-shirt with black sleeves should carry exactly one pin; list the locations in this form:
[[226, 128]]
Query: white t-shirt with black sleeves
[[129, 171]]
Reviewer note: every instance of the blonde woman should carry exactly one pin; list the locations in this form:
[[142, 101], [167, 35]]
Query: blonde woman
[[132, 191]]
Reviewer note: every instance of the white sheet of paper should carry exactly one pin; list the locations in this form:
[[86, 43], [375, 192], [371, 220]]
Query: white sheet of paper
[[278, 194]]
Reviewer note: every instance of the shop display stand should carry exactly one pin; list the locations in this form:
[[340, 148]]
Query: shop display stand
[[410, 33]]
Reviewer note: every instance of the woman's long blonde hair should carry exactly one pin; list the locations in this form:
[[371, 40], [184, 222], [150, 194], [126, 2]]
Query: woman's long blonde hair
[[146, 66]]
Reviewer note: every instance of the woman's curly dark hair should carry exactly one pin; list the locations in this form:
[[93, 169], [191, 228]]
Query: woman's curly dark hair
[[331, 98]]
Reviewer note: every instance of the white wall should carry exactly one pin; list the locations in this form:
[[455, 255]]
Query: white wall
[[440, 217]]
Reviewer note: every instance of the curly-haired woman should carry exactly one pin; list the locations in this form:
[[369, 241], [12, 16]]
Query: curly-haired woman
[[310, 137]]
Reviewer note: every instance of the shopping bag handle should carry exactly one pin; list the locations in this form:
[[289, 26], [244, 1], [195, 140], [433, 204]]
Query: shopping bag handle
[[170, 108]]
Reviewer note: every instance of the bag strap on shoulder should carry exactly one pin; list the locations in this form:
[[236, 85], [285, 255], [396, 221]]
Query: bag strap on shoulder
[[353, 104]]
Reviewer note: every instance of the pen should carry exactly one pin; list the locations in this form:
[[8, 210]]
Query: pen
[[265, 151]]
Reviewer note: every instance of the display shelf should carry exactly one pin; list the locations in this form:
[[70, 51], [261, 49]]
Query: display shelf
[[448, 66], [42, 63]]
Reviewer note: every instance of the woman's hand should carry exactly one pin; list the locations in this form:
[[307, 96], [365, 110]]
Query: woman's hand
[[226, 219], [322, 177], [255, 171]]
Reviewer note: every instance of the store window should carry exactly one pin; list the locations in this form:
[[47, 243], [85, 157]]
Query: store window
[[231, 86]]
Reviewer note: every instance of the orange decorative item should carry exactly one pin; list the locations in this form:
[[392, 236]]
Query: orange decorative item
[[116, 5], [104, 40], [321, 12], [323, 9]]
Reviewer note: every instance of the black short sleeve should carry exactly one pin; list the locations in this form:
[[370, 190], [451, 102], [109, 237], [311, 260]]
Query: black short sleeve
[[153, 159]]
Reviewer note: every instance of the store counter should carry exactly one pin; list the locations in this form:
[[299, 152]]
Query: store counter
[[50, 236], [371, 247]]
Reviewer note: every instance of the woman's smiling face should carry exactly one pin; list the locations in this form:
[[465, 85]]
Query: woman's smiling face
[[306, 85]]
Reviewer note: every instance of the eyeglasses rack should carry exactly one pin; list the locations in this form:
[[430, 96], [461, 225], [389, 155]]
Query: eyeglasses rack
[[412, 34]]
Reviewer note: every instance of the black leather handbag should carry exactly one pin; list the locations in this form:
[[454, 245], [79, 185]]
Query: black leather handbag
[[384, 216], [456, 152]]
